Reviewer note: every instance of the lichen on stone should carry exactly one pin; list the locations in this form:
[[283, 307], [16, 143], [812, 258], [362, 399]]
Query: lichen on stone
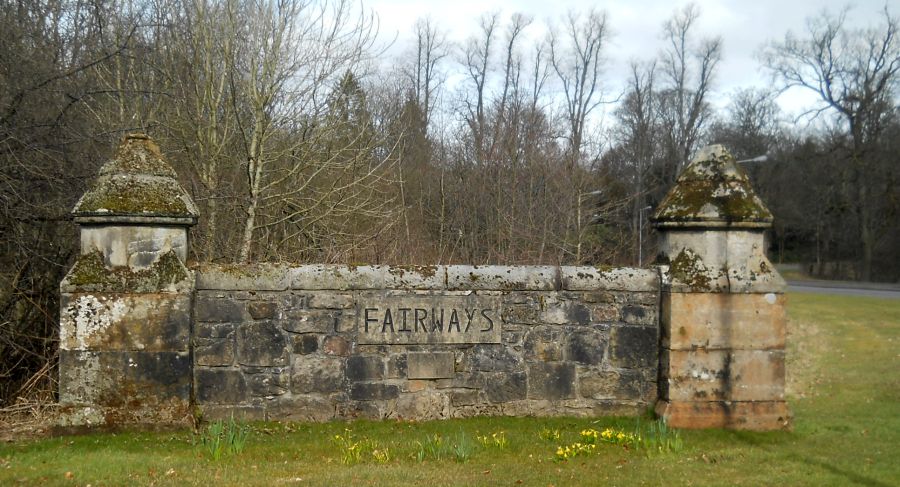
[[90, 274], [138, 154], [687, 268], [713, 188], [118, 195]]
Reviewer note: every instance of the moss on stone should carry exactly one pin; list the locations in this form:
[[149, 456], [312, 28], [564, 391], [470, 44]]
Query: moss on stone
[[688, 268], [138, 154], [713, 188], [90, 274], [727, 202], [135, 196]]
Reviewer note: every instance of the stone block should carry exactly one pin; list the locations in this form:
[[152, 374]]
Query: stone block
[[605, 313], [740, 415], [430, 365], [305, 344], [373, 391], [504, 278], [343, 277], [214, 330], [274, 381], [565, 313], [240, 412], [313, 373], [231, 277], [335, 345], [587, 347], [219, 386], [544, 344], [712, 375], [495, 358], [210, 307], [423, 406], [464, 398], [504, 387], [634, 346], [365, 367], [620, 384], [724, 321], [551, 381], [639, 315], [262, 310], [396, 366], [302, 408], [214, 352], [148, 322], [584, 278], [260, 344], [310, 321], [129, 379], [331, 300]]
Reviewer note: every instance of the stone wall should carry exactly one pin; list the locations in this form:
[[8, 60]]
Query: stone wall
[[144, 339], [292, 342]]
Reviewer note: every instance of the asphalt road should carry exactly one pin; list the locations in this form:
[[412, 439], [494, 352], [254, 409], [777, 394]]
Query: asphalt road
[[846, 288]]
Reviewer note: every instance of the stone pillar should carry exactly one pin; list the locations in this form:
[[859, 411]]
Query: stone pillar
[[723, 318], [126, 303]]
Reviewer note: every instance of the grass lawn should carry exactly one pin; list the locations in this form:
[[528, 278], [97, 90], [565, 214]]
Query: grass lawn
[[844, 387]]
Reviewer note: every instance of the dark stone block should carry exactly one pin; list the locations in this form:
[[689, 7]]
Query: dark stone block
[[506, 387], [260, 344], [495, 358], [551, 381], [313, 373], [634, 346], [360, 367], [463, 398], [210, 308], [578, 313], [261, 310], [586, 347], [305, 344], [222, 386], [638, 315], [213, 352], [123, 379], [361, 391]]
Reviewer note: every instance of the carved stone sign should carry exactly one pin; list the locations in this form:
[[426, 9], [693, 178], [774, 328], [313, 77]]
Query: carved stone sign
[[427, 319]]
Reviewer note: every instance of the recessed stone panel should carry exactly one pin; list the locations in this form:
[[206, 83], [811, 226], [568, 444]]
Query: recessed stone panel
[[430, 365], [429, 319]]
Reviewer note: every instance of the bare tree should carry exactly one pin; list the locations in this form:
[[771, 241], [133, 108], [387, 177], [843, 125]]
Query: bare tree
[[431, 48], [855, 73], [576, 57], [688, 69], [477, 63]]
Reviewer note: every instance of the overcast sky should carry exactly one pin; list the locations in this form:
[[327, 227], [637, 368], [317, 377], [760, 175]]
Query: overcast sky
[[744, 26]]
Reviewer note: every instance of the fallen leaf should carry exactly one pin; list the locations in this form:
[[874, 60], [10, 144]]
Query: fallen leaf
[[70, 475]]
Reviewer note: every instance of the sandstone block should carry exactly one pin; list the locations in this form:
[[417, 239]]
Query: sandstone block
[[740, 375], [742, 415], [305, 344], [214, 352], [430, 365], [219, 385], [365, 367], [586, 347], [724, 321], [367, 391]]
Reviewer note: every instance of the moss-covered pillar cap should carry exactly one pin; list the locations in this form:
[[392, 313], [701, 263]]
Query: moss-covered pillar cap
[[712, 192], [136, 187]]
